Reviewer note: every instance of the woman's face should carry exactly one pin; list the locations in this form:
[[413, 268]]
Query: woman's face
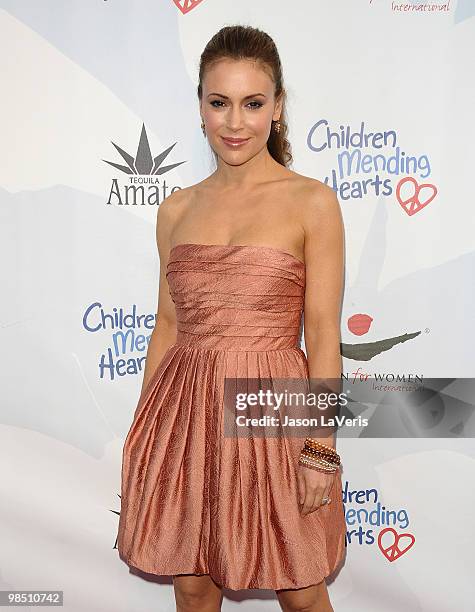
[[238, 103]]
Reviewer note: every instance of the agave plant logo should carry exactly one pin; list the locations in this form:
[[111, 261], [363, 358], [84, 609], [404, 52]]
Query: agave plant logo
[[143, 169]]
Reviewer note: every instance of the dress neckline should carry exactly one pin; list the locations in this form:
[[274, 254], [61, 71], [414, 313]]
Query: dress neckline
[[240, 246]]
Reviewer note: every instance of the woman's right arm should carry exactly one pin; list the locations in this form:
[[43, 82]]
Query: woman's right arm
[[164, 332]]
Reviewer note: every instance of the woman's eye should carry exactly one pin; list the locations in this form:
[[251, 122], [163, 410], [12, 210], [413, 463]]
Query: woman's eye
[[217, 103]]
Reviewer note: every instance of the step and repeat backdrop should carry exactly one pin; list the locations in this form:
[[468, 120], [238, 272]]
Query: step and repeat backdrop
[[380, 106]]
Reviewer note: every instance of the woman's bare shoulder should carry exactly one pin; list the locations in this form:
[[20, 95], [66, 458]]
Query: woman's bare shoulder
[[174, 208], [309, 188], [317, 204], [175, 200], [169, 213], [180, 199], [316, 197]]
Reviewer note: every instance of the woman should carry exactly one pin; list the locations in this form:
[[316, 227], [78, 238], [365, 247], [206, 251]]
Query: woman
[[243, 255]]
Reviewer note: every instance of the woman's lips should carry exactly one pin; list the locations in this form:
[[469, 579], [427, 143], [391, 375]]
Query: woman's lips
[[234, 142]]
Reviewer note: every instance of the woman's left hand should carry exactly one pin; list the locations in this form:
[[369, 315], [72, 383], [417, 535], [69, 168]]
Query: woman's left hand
[[313, 486]]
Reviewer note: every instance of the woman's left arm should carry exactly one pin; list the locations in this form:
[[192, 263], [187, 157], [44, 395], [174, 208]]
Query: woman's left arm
[[324, 261], [322, 225]]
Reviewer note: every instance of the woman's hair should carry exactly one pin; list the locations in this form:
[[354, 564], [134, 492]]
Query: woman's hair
[[245, 42]]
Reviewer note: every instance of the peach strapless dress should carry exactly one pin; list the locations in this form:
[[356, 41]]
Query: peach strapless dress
[[192, 500]]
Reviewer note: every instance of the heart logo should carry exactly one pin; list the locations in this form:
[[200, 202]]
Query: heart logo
[[186, 6], [413, 204], [394, 551]]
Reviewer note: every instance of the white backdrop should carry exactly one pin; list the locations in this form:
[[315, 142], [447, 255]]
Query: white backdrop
[[81, 266]]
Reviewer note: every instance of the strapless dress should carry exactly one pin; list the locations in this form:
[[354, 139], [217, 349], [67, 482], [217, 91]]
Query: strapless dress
[[192, 500]]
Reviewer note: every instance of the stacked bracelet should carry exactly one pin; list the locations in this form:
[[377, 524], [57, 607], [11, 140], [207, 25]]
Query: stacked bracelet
[[315, 445], [319, 456]]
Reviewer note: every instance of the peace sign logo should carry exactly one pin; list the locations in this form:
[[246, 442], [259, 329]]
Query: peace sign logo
[[413, 204], [393, 551]]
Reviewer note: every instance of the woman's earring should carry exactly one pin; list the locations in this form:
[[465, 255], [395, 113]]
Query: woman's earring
[[277, 126], [203, 128]]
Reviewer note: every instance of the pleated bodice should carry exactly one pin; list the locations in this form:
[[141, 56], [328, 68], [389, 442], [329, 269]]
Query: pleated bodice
[[237, 297]]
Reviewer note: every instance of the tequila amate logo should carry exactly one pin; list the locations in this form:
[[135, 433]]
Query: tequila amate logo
[[143, 170]]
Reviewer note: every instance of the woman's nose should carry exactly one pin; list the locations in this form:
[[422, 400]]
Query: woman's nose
[[234, 118]]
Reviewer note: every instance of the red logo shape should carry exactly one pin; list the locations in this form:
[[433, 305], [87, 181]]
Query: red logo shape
[[393, 552], [359, 324], [186, 6], [413, 204]]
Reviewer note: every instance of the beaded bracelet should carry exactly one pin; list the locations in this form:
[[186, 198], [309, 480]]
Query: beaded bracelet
[[319, 445], [322, 448], [319, 461], [317, 468], [317, 455], [325, 455], [311, 465]]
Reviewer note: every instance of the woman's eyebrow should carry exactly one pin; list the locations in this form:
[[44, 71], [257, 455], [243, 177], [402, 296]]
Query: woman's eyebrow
[[245, 97]]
